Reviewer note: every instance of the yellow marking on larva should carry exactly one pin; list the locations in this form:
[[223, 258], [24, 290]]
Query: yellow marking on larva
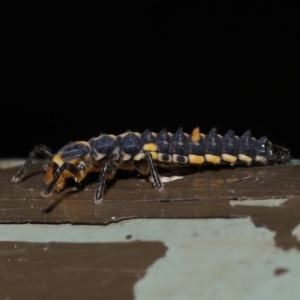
[[124, 134], [196, 159], [150, 147], [160, 157], [126, 157], [229, 158], [84, 143], [137, 134], [139, 156], [175, 159], [261, 159], [154, 155], [212, 159], [99, 156], [116, 154], [196, 135], [245, 158], [58, 160]]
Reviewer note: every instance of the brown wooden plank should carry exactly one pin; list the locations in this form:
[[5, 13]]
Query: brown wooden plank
[[205, 194], [74, 271]]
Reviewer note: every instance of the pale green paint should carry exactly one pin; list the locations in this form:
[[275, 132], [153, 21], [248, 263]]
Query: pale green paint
[[296, 231], [258, 202], [216, 259]]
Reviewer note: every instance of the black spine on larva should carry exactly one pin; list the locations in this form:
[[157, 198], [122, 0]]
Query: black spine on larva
[[196, 148], [229, 143], [104, 144], [260, 148], [130, 144], [179, 142], [246, 144], [147, 137], [163, 142], [212, 143]]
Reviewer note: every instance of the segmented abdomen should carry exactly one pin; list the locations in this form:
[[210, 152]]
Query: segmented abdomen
[[183, 148]]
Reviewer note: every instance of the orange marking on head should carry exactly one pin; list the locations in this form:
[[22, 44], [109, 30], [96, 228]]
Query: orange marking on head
[[196, 135], [49, 173], [60, 184]]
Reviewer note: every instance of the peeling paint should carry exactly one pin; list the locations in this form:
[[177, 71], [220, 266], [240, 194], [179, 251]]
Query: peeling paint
[[206, 258], [296, 231], [258, 202]]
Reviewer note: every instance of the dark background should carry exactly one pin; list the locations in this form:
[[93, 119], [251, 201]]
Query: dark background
[[73, 69]]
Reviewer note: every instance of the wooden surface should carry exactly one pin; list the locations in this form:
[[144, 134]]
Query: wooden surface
[[204, 194], [74, 271]]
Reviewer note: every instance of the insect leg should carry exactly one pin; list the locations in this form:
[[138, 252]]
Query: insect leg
[[108, 167], [156, 179], [42, 149], [50, 187]]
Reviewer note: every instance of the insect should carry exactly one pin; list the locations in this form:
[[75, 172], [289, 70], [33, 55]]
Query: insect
[[144, 152]]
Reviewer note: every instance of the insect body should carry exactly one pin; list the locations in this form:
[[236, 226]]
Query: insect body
[[144, 152]]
